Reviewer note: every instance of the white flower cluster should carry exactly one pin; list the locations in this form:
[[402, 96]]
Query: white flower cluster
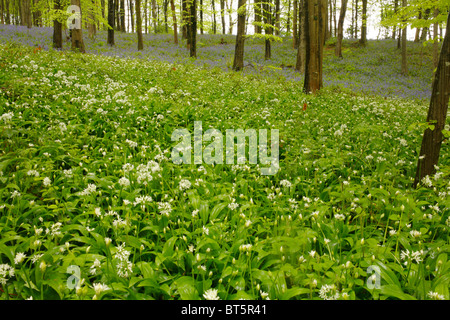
[[6, 271], [6, 117], [211, 294], [416, 256], [165, 208], [184, 184], [91, 188], [124, 266], [329, 292]]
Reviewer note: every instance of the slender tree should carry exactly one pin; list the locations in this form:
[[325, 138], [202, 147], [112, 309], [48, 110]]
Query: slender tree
[[363, 39], [315, 19], [222, 15], [57, 27], [294, 24], [268, 28], [437, 113], [77, 34], [193, 28], [257, 9], [238, 63], [111, 22], [301, 51], [139, 25], [340, 34], [174, 18], [214, 22], [404, 36]]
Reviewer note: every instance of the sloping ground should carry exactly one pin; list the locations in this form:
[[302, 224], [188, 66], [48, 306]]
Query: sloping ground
[[87, 187], [374, 69]]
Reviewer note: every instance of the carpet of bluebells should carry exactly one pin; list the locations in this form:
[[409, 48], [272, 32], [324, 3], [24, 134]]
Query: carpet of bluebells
[[371, 70], [92, 207]]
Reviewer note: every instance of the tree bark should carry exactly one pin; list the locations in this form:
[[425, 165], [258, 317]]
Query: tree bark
[[340, 34], [294, 25], [238, 63], [2, 12], [57, 28], [404, 31], [268, 30], [436, 38], [222, 15], [363, 39], [193, 28], [111, 22], [174, 17], [230, 16], [257, 6], [301, 52], [139, 25], [7, 18], [130, 3], [77, 34], [437, 113], [276, 16], [201, 16], [214, 22], [154, 16], [315, 34]]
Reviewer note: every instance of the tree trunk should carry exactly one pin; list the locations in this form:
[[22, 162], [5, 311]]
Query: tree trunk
[[363, 39], [111, 22], [7, 18], [437, 113], [268, 30], [340, 34], [57, 28], [301, 52], [2, 12], [230, 16], [238, 63], [222, 15], [214, 22], [139, 25], [154, 16], [174, 18], [193, 28], [404, 31], [130, 3], [436, 38], [425, 29], [294, 25], [122, 15], [288, 18], [315, 33], [257, 7], [201, 16], [26, 7], [356, 19], [276, 15], [77, 34]]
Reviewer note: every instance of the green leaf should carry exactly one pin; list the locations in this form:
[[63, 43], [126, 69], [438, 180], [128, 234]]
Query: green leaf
[[292, 292], [396, 292], [186, 288]]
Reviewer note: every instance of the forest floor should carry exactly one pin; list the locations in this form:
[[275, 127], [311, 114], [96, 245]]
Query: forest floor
[[374, 69], [93, 207]]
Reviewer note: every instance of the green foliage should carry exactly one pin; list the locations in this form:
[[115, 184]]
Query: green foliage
[[87, 181]]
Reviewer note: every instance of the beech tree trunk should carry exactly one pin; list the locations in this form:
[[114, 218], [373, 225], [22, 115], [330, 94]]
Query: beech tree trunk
[[139, 25], [436, 42], [77, 34], [222, 15], [294, 24], [174, 17], [404, 31], [57, 28], [437, 113], [301, 52], [363, 39], [340, 34], [111, 22], [257, 8], [193, 28], [315, 34], [268, 30], [238, 63]]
